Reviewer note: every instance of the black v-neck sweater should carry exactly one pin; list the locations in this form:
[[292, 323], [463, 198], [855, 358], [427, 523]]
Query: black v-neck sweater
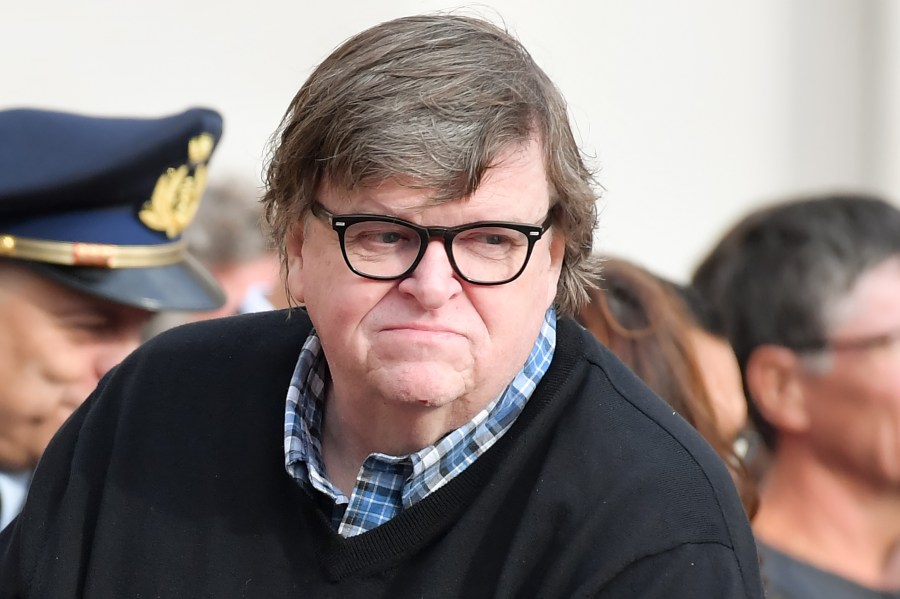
[[170, 482]]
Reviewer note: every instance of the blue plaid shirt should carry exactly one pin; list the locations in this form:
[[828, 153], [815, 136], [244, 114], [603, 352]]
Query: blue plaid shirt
[[387, 484]]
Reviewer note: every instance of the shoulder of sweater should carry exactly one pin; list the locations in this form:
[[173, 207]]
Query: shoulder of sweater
[[189, 373], [272, 332], [636, 456], [575, 345], [258, 349], [613, 400]]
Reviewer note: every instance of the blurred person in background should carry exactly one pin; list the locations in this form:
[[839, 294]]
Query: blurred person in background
[[227, 238], [91, 215], [643, 319], [809, 293], [722, 379], [718, 363]]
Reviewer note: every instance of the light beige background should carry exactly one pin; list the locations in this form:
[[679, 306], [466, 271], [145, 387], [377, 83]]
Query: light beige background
[[694, 110]]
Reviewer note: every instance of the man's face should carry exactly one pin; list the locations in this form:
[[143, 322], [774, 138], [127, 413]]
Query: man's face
[[429, 339], [55, 344], [854, 406]]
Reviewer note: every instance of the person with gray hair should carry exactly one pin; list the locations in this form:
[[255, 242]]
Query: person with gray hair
[[431, 423], [809, 293], [228, 239]]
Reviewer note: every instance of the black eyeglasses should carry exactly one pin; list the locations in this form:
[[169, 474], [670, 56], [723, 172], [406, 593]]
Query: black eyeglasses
[[386, 248]]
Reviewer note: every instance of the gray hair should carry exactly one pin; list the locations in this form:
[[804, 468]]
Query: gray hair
[[227, 228], [431, 102], [780, 275]]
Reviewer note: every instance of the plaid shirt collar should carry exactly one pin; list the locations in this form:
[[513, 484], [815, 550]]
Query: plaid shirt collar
[[388, 484]]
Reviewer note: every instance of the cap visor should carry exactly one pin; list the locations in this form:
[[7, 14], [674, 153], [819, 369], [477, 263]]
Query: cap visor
[[184, 286]]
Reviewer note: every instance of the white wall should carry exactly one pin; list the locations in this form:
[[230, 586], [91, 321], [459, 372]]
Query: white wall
[[696, 110]]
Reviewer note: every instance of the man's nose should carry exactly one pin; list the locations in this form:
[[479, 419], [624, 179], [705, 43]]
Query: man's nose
[[434, 282]]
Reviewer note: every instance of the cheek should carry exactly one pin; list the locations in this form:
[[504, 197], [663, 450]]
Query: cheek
[[518, 307], [882, 400], [44, 375], [863, 413], [874, 387], [42, 356], [722, 380], [40, 390], [26, 353], [315, 267], [848, 404], [343, 307], [511, 320]]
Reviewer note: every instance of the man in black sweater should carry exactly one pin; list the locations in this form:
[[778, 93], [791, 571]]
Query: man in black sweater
[[430, 424]]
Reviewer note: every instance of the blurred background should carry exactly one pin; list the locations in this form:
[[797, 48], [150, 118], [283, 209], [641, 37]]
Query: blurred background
[[693, 111]]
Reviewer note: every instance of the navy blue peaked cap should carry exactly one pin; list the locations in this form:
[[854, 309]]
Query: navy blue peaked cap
[[99, 204]]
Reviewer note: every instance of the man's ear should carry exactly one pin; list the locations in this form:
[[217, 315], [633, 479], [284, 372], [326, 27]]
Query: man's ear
[[776, 388], [557, 255], [294, 262]]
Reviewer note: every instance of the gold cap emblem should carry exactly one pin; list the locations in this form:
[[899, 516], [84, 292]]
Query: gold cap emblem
[[176, 196], [199, 148]]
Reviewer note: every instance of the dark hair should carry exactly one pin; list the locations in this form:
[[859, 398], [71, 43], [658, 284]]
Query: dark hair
[[642, 319], [431, 102], [702, 311], [777, 274]]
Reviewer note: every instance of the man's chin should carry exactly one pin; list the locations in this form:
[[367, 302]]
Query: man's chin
[[409, 346], [424, 385]]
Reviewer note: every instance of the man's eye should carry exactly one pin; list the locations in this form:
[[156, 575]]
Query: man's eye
[[488, 238], [389, 237], [378, 236], [494, 239]]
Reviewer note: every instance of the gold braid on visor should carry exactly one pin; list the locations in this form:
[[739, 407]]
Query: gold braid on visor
[[91, 254]]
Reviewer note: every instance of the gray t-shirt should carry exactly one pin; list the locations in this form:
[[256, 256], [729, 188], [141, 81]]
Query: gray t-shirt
[[788, 578]]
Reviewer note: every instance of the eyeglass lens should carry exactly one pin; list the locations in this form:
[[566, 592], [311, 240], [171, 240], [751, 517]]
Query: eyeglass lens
[[482, 254]]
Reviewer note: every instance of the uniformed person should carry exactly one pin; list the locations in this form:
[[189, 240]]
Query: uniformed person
[[91, 215]]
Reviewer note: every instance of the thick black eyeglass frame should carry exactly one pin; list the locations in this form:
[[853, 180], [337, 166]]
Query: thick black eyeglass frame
[[340, 223]]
